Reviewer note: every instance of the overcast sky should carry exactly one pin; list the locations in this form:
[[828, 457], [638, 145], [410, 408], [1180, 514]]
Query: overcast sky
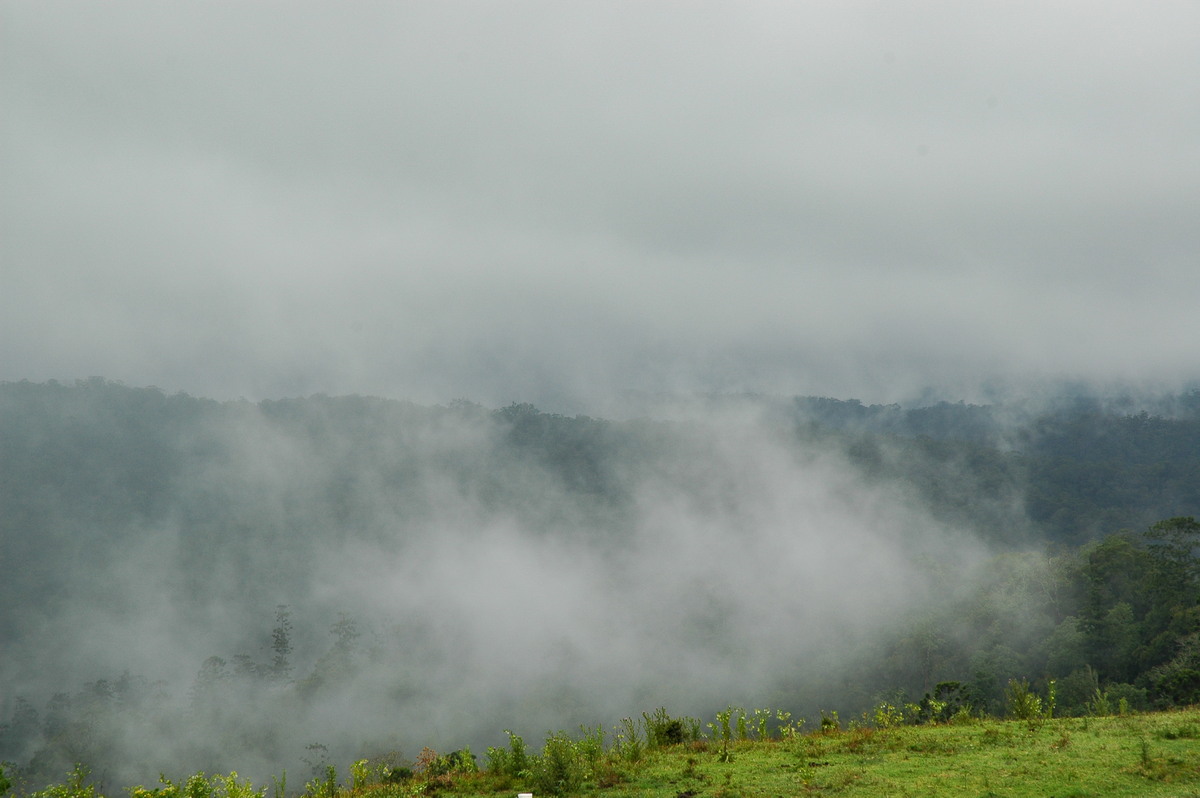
[[551, 202]]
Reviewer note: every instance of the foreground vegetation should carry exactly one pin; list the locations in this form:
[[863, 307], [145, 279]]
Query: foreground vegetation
[[764, 753]]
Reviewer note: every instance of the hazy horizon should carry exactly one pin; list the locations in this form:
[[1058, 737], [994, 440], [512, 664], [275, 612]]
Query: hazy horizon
[[558, 203]]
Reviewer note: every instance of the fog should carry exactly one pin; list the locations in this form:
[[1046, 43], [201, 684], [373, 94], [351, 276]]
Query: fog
[[443, 580], [599, 208], [554, 204]]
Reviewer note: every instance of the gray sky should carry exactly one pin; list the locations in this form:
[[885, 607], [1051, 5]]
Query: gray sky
[[559, 201]]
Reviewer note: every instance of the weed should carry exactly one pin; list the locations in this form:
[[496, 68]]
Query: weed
[[995, 737], [201, 786], [962, 716], [743, 726], [663, 730], [394, 775], [196, 787], [609, 777], [1164, 769], [1022, 703], [761, 718], [512, 761], [558, 770], [591, 747], [627, 743], [885, 716], [359, 774], [726, 731], [230, 787], [861, 740], [727, 790], [1187, 731], [1100, 706], [319, 788], [787, 729]]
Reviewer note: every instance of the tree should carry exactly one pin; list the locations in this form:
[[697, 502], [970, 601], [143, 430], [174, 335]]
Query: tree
[[281, 644]]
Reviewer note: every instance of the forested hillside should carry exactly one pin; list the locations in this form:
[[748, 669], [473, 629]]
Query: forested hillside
[[192, 584]]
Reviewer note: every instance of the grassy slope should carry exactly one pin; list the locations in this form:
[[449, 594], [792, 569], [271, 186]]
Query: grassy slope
[[1156, 754], [1152, 754]]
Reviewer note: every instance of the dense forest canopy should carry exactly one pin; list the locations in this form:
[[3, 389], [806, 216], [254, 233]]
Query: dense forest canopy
[[187, 582]]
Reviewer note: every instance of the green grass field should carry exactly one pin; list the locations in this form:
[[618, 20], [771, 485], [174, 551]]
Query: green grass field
[[1150, 754], [1154, 754]]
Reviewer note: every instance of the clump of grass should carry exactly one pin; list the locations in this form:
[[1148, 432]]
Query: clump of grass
[[1186, 731], [994, 736], [1166, 769]]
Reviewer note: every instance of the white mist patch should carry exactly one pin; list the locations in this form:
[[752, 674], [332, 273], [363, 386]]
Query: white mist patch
[[745, 562], [356, 576]]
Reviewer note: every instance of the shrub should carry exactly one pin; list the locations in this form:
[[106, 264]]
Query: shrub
[[590, 748], [886, 716], [663, 730], [360, 774], [396, 775], [1021, 702], [76, 786], [787, 729], [1100, 705], [320, 787], [725, 729], [1128, 698], [559, 769], [442, 768], [627, 742], [202, 786]]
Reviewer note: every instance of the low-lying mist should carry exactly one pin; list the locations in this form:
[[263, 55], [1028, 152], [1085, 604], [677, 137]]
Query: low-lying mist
[[278, 585]]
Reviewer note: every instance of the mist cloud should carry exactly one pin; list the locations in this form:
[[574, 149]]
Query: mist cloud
[[478, 571], [549, 203]]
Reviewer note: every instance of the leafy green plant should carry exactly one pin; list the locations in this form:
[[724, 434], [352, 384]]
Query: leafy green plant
[[787, 729], [886, 716], [1100, 706], [724, 727], [627, 743], [230, 787], [761, 718], [743, 725], [1021, 702], [325, 787], [512, 761], [396, 774], [590, 748], [663, 730], [559, 769], [76, 786], [199, 785], [360, 774]]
